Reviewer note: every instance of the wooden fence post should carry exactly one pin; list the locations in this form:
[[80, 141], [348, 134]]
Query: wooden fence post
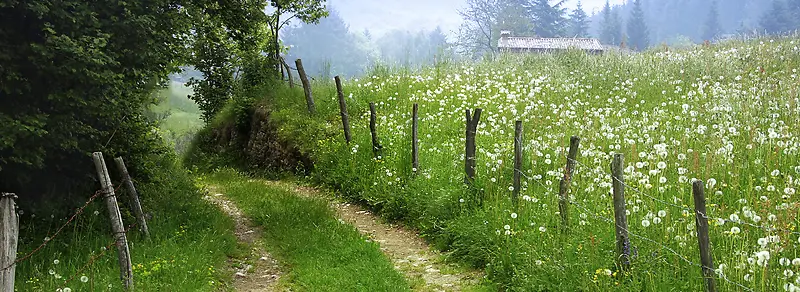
[[517, 162], [469, 153], [343, 109], [306, 86], [566, 180], [620, 217], [133, 195], [701, 220], [373, 129], [9, 226], [123, 251], [414, 138], [288, 72]]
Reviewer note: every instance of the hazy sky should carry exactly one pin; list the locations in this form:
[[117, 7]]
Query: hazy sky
[[380, 16]]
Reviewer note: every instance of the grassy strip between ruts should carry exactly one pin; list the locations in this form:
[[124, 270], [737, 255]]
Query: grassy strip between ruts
[[322, 253]]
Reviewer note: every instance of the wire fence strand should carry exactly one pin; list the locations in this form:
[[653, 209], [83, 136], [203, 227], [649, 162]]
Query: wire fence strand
[[94, 258], [50, 238], [684, 208]]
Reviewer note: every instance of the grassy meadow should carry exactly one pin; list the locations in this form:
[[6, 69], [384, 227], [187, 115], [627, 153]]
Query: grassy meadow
[[725, 114], [179, 117]]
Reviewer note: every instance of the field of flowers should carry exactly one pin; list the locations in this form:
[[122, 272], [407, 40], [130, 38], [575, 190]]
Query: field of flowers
[[727, 115]]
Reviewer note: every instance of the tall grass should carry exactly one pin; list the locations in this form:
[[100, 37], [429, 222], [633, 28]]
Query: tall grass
[[724, 114], [190, 240]]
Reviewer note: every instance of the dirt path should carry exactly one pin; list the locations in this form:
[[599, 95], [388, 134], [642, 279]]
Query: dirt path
[[422, 266], [256, 270]]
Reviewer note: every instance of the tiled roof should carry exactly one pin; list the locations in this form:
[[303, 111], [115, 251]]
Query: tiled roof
[[549, 43]]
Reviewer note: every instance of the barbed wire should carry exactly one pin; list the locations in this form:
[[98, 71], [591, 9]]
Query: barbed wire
[[684, 208], [50, 238], [103, 251], [662, 246]]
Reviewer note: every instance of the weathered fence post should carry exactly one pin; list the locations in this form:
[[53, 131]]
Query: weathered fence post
[[123, 252], [306, 86], [288, 72], [373, 129], [469, 153], [343, 109], [517, 162], [620, 217], [9, 226], [414, 138], [563, 187], [701, 220], [133, 195]]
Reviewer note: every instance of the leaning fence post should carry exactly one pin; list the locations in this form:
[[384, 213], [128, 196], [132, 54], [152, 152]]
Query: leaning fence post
[[9, 226], [414, 139], [373, 129], [288, 72], [123, 251], [517, 162], [343, 109], [620, 217], [133, 195], [469, 152], [701, 220], [306, 86], [563, 187]]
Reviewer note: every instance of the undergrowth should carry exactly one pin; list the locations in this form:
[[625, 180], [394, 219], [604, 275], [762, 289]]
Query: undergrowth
[[190, 240]]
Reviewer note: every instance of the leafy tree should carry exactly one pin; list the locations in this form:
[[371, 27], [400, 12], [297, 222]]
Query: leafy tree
[[638, 34], [579, 22], [549, 20], [229, 36], [307, 11], [514, 16], [327, 43], [778, 19], [712, 29], [477, 36], [77, 77]]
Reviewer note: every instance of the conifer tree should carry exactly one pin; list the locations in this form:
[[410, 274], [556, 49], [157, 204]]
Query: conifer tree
[[712, 28], [638, 34], [549, 20], [579, 23], [611, 26], [778, 19]]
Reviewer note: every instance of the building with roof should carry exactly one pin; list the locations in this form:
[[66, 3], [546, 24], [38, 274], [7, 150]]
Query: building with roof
[[508, 43]]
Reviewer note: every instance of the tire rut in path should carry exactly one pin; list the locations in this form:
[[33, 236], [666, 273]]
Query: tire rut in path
[[411, 255], [257, 270]]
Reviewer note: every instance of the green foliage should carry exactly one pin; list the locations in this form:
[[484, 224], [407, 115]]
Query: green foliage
[[611, 26], [549, 19], [190, 240], [579, 23], [77, 78], [638, 33], [324, 254]]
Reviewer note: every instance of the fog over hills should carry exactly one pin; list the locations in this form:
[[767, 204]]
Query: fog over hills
[[413, 15]]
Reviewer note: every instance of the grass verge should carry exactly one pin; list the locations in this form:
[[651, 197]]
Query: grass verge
[[322, 253], [190, 240]]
